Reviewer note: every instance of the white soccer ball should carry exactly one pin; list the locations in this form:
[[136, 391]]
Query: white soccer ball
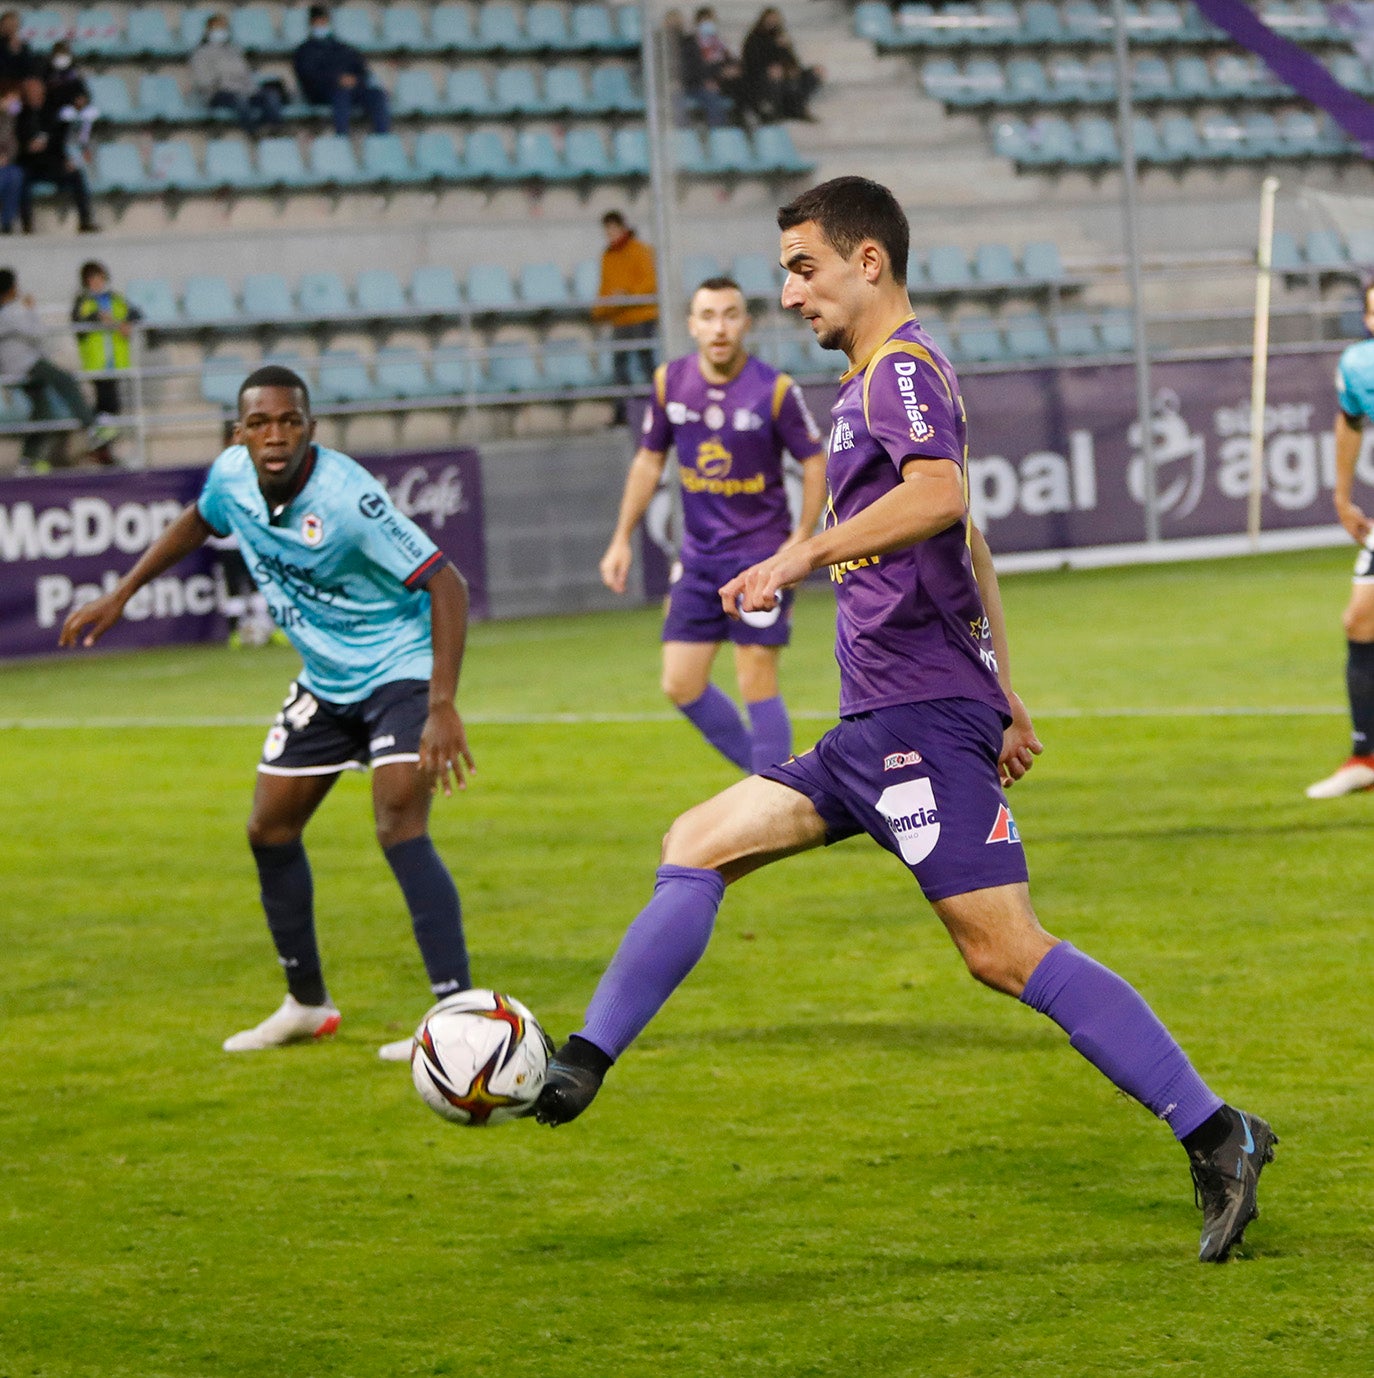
[[479, 1058]]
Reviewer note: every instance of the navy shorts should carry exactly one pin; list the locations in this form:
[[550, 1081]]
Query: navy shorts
[[312, 736], [921, 780], [695, 613]]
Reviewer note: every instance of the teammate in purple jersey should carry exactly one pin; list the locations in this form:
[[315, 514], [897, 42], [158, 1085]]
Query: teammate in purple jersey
[[928, 719], [730, 417]]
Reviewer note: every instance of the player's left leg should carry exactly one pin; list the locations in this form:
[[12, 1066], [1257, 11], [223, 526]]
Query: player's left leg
[[1111, 1025], [756, 668], [687, 683]]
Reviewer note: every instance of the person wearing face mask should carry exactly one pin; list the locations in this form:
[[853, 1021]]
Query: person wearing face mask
[[223, 79], [334, 73], [11, 174], [711, 73], [69, 98]]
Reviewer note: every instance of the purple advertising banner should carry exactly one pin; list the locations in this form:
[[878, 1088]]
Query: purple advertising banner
[[66, 538]]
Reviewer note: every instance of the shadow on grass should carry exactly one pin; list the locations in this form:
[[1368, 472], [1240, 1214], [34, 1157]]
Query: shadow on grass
[[912, 1036]]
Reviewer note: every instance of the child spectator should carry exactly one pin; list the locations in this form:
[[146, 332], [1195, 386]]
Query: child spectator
[[102, 350]]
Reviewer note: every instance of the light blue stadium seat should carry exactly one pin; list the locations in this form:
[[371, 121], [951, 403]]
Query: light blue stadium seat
[[1148, 147], [696, 268], [1151, 78], [455, 371], [356, 24], [378, 291], [208, 298], [111, 96], [266, 297], [1159, 21], [536, 155], [1027, 83], [979, 339], [401, 373], [543, 285], [333, 162], [386, 162], [629, 29], [943, 80], [775, 151], [490, 288], [759, 276], [499, 29], [403, 30], [147, 34], [688, 153], [1027, 336], [280, 164], [1325, 252], [160, 97], [1301, 133], [486, 158], [450, 29], [631, 150], [994, 265], [513, 368], [1285, 256], [565, 91], [436, 157], [584, 152], [434, 290], [1075, 333], [517, 91], [303, 367], [590, 29], [1097, 145], [220, 377], [984, 82], [568, 364], [344, 377], [1359, 246], [468, 92], [227, 165], [191, 22], [1192, 77], [172, 164], [322, 294], [586, 280], [1012, 139], [947, 268], [1040, 262], [1068, 78], [119, 168], [873, 21], [1086, 22], [155, 298], [1116, 332], [1223, 137], [1179, 137], [99, 32], [415, 94], [1351, 73], [546, 27], [728, 151], [1041, 25], [612, 89], [1262, 138], [254, 28]]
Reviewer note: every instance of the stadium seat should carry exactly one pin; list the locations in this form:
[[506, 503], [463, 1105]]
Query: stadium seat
[[119, 168], [322, 294], [385, 160], [1159, 21], [1117, 332], [1027, 337], [208, 299], [191, 24], [947, 268], [993, 265], [254, 28], [565, 91], [468, 92], [415, 94], [1040, 24], [1012, 139], [586, 280], [1040, 262], [537, 156], [303, 367], [775, 151], [546, 27], [873, 21], [982, 82], [1324, 251], [980, 339], [344, 377], [403, 30], [401, 373], [1074, 334], [220, 376], [147, 34], [517, 91], [612, 90], [454, 370], [1151, 79], [490, 288], [758, 276], [1179, 139], [513, 368], [450, 29], [584, 153], [436, 157], [333, 162], [266, 297], [1192, 78], [155, 298], [1262, 137], [590, 29], [1026, 82], [542, 285], [1284, 254], [1097, 145], [378, 291], [111, 97], [98, 32], [227, 165], [160, 98], [689, 156], [696, 268], [568, 364], [631, 149], [280, 164], [172, 164], [485, 157], [728, 151], [1085, 22], [499, 29], [629, 28], [1068, 78], [1223, 137], [434, 290], [356, 24]]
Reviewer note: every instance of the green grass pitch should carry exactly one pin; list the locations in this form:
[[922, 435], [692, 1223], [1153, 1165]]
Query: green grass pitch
[[832, 1153]]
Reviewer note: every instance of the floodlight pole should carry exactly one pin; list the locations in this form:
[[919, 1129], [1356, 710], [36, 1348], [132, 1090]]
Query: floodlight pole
[[1126, 136], [653, 68], [1259, 374]]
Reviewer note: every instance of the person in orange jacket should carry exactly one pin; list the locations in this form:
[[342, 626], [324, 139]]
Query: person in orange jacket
[[627, 270]]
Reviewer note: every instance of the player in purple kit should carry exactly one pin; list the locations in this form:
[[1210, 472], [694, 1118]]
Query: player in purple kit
[[730, 417], [928, 720]]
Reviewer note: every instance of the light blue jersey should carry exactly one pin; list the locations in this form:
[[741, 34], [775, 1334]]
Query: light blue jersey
[[1355, 380], [340, 568]]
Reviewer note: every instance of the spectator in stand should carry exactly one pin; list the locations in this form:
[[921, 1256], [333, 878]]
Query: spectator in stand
[[711, 75], [627, 270], [335, 74], [677, 60], [23, 362], [44, 157], [11, 174], [776, 85], [103, 350], [69, 99], [17, 59], [223, 79]]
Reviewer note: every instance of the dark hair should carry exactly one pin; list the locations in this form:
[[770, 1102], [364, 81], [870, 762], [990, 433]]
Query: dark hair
[[849, 210], [318, 12], [720, 283], [615, 218], [275, 376], [90, 268], [7, 281]]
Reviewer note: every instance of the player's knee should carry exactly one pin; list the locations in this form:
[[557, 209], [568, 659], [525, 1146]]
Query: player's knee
[[680, 689], [395, 827], [265, 832], [1358, 622], [686, 843]]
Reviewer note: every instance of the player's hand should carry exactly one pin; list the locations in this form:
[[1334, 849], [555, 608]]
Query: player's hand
[[615, 565], [1353, 520], [758, 588], [94, 618], [445, 760], [1020, 745]]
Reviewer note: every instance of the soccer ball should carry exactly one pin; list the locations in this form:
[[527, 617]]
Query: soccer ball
[[479, 1058]]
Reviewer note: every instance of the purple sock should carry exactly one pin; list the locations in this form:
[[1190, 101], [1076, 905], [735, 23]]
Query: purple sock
[[661, 946], [772, 732], [1108, 1021], [718, 720]]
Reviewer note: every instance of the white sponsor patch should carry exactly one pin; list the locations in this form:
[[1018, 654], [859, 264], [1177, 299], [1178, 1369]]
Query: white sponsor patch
[[764, 618], [898, 759], [909, 808], [677, 413], [275, 743]]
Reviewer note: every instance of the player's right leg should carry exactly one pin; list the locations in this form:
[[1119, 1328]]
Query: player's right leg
[[1357, 773], [741, 829], [687, 682]]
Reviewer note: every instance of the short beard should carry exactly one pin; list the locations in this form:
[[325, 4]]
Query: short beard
[[833, 337]]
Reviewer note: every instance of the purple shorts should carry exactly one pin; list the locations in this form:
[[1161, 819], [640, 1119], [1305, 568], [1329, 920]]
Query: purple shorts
[[695, 613], [921, 780]]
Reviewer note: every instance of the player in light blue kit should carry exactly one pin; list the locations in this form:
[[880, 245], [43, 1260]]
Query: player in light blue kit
[[379, 617]]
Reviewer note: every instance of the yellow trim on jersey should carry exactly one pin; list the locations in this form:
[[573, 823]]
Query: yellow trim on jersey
[[859, 368], [661, 384], [916, 351], [780, 386]]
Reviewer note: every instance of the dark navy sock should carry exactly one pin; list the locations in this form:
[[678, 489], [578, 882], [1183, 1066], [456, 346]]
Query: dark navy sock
[[288, 899], [435, 913], [1359, 684]]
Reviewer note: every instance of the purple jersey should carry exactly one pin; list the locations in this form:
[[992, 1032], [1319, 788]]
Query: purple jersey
[[729, 440], [911, 625]]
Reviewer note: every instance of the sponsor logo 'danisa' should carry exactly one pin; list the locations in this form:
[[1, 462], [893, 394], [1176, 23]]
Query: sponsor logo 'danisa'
[[1004, 829], [909, 808]]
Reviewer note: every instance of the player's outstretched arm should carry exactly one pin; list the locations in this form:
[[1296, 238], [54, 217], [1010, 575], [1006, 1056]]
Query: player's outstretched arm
[[188, 533], [444, 755], [1349, 432], [646, 469], [1020, 745], [813, 497]]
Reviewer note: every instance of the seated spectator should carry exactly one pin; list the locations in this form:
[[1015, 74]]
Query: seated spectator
[[23, 362], [335, 74], [776, 85], [98, 304], [17, 59], [43, 156], [711, 74], [11, 174], [69, 98], [223, 79]]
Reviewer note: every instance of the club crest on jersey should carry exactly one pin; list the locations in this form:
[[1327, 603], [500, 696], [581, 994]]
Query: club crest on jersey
[[898, 759], [909, 808], [1004, 830], [312, 529], [714, 416], [713, 459]]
